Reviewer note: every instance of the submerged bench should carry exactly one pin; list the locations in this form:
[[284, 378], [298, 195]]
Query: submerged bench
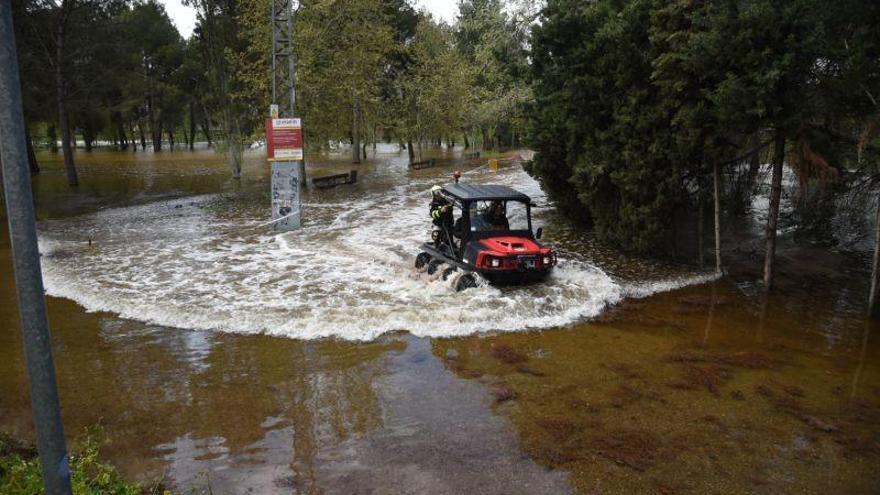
[[423, 164], [335, 180]]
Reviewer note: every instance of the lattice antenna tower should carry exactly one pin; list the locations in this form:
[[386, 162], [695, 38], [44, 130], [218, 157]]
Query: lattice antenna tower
[[283, 68]]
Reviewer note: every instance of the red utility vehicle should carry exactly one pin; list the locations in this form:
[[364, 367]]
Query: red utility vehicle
[[502, 252]]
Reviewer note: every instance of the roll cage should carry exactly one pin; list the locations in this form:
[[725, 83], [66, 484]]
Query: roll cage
[[464, 196]]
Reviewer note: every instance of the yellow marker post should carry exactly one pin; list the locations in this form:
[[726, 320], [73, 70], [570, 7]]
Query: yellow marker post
[[493, 164]]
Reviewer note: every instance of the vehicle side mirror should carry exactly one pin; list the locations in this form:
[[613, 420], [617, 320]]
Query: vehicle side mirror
[[539, 232]]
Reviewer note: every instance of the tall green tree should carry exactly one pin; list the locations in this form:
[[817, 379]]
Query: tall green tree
[[600, 125], [435, 90], [217, 33], [638, 104], [63, 36], [155, 53], [342, 49], [496, 45]]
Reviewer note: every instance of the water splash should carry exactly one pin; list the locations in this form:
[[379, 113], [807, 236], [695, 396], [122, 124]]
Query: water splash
[[198, 263]]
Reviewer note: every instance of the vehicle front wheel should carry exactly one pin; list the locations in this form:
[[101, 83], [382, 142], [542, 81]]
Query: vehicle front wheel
[[449, 271], [433, 265], [422, 259], [466, 281]]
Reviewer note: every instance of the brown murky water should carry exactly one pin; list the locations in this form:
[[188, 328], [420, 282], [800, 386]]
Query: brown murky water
[[700, 389]]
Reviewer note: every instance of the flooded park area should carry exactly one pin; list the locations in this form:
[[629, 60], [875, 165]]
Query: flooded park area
[[221, 357]]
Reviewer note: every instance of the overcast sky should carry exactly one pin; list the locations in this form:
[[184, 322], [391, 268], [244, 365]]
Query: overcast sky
[[185, 17]]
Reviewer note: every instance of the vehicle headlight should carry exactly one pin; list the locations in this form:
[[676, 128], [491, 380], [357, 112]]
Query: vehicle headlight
[[495, 262], [548, 260]]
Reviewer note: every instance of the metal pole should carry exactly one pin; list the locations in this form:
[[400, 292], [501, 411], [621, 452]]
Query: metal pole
[[291, 70], [26, 260], [274, 53]]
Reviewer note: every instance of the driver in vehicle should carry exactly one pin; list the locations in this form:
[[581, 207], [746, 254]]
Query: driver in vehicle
[[496, 217]]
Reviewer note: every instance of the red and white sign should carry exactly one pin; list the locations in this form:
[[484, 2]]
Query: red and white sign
[[284, 139]]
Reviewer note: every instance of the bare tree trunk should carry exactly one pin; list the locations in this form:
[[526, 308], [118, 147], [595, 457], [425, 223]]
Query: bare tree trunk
[[63, 123], [674, 232], [192, 126], [32, 157], [52, 134], [467, 144], [754, 160], [233, 142], [773, 212], [123, 139], [156, 134], [873, 306], [134, 143], [412, 152], [143, 136], [700, 221], [355, 137], [486, 144], [233, 158], [88, 138], [206, 130], [717, 180], [232, 130], [171, 139]]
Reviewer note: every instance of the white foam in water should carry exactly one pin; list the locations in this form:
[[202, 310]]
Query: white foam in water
[[348, 273], [649, 288]]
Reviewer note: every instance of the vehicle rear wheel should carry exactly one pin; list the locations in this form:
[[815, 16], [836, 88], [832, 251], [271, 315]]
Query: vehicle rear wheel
[[466, 281], [449, 271], [433, 265], [422, 259]]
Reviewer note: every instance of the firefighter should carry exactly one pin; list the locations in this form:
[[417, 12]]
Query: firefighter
[[441, 213]]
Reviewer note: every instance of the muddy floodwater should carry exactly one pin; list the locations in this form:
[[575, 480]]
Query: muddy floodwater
[[221, 357]]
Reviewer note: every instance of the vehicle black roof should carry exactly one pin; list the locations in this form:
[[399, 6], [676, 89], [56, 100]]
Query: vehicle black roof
[[472, 192]]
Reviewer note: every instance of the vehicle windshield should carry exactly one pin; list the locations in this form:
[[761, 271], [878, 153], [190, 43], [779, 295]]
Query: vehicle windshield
[[498, 216]]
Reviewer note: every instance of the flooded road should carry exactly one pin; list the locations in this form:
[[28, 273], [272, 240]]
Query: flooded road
[[207, 262], [227, 358]]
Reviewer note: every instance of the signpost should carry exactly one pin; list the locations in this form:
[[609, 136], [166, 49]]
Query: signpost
[[284, 150], [284, 139]]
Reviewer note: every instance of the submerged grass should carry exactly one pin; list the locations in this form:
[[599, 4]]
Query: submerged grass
[[629, 407], [748, 360], [509, 355], [709, 377], [635, 449], [20, 470]]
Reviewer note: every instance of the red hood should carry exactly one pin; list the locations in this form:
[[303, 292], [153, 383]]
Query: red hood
[[513, 245]]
